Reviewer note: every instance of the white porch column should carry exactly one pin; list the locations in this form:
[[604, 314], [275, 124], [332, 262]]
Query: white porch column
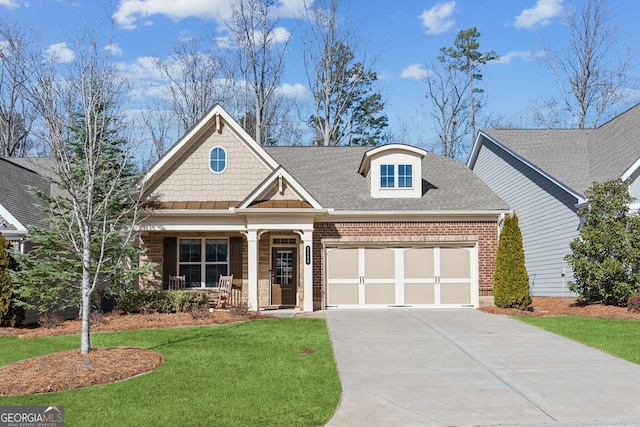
[[252, 260], [307, 243]]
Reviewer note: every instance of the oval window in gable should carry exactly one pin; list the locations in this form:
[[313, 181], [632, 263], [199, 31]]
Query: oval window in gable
[[218, 160]]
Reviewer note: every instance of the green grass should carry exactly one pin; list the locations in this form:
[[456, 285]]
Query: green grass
[[618, 337], [230, 375]]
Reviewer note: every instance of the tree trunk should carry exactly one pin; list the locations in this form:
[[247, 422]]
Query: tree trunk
[[85, 339]]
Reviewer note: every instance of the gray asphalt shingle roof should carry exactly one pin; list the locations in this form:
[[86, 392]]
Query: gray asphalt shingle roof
[[14, 191], [330, 175], [578, 157]]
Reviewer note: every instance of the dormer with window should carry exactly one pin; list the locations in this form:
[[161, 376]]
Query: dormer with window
[[393, 171]]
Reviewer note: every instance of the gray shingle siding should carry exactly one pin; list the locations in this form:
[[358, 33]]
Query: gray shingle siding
[[546, 215]]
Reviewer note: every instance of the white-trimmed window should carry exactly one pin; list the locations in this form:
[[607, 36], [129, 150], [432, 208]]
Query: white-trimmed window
[[202, 261], [218, 160], [388, 176]]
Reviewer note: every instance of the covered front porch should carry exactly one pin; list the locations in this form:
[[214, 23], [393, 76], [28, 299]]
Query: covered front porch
[[270, 256]]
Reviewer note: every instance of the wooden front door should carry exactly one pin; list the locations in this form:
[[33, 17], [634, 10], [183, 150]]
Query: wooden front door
[[284, 275]]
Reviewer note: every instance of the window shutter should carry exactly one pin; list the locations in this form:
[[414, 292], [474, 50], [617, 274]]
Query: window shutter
[[235, 257], [169, 260]]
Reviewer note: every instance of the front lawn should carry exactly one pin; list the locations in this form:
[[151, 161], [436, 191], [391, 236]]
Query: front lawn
[[618, 337], [252, 373]]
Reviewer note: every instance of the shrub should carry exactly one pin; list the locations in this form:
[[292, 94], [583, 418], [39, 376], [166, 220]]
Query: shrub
[[240, 309], [160, 301], [604, 257], [633, 304], [50, 320], [511, 280], [10, 314]]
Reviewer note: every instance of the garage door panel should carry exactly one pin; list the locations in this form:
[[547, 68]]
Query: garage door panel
[[380, 293], [422, 276], [379, 263], [455, 263], [419, 293], [455, 293], [419, 263], [343, 264], [343, 293]]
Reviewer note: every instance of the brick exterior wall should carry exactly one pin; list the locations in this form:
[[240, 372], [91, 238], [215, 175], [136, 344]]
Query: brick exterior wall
[[485, 233]]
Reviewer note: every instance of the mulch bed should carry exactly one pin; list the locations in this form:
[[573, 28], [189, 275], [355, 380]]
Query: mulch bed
[[70, 370], [555, 306]]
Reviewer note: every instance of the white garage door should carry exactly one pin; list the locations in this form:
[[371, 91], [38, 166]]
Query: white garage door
[[387, 277]]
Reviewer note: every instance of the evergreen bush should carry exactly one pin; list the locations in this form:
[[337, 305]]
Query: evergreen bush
[[10, 314], [511, 280], [160, 301]]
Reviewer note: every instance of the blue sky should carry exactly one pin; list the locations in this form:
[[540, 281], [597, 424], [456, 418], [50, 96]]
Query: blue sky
[[404, 35]]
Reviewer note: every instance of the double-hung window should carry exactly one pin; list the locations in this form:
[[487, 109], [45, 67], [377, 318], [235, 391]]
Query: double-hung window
[[202, 261], [388, 174]]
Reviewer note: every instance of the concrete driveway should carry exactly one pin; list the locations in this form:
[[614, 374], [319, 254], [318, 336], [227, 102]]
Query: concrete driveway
[[413, 367]]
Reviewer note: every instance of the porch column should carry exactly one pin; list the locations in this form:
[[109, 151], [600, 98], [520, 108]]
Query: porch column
[[307, 243], [252, 260]]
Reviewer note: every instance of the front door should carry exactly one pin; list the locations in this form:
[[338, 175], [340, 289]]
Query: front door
[[284, 277]]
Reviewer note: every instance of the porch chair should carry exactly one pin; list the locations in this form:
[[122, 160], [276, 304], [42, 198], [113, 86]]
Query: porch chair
[[177, 282], [222, 294]]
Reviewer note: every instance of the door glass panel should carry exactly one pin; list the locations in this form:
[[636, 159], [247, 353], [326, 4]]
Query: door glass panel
[[284, 267]]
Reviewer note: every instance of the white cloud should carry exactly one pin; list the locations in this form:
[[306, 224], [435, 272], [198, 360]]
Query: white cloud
[[414, 71], [130, 12], [541, 14], [294, 91], [438, 19], [523, 55], [60, 52], [114, 49], [9, 3]]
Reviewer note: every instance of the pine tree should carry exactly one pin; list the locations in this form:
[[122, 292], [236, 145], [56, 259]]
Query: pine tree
[[511, 280], [10, 314]]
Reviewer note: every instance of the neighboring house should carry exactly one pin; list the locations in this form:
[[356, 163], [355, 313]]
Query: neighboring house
[[543, 175], [18, 207], [317, 227]]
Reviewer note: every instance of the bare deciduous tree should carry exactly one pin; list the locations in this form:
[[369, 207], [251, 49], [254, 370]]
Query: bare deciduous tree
[[447, 90], [590, 83], [82, 108], [18, 58], [194, 80], [257, 62]]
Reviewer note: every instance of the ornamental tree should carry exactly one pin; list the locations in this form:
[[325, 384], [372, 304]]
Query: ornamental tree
[[511, 280]]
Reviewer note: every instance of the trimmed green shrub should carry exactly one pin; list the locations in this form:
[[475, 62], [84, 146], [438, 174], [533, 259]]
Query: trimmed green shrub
[[10, 314], [511, 280], [160, 301], [605, 257]]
